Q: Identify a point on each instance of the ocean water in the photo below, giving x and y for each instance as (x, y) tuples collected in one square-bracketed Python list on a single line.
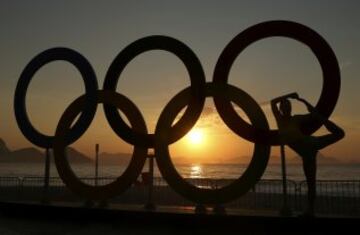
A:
[(215, 171)]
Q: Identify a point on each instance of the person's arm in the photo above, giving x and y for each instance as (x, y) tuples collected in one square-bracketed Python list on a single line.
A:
[(336, 132), (277, 100)]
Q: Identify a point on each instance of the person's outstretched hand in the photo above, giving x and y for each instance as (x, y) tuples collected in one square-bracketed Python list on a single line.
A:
[(293, 96)]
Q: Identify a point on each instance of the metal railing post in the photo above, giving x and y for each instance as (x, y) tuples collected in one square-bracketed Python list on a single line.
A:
[(45, 198), (150, 204)]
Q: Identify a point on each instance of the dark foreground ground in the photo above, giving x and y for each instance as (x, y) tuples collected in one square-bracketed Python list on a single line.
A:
[(26, 218), (337, 203)]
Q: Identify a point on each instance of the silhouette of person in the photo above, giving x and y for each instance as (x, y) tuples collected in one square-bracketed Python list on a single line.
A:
[(306, 146)]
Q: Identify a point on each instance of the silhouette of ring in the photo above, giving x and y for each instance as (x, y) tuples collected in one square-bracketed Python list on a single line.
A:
[(239, 186), (137, 161), (321, 49), (197, 79), (193, 98), (88, 111)]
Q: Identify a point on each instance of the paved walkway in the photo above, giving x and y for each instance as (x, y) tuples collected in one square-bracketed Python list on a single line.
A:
[(75, 219)]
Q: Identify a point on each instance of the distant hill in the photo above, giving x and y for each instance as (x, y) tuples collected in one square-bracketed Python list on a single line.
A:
[(33, 155), (3, 148), (77, 157), (23, 155), (114, 158)]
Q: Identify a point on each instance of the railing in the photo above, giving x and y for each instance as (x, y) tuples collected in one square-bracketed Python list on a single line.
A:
[(333, 196)]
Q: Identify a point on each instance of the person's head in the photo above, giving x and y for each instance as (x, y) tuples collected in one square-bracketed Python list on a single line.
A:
[(285, 107)]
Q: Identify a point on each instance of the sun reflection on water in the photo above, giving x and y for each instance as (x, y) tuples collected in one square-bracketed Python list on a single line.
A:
[(196, 171)]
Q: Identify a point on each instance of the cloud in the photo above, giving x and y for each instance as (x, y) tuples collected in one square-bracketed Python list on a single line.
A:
[(209, 118)]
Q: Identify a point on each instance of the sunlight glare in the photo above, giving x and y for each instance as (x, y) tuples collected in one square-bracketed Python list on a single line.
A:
[(196, 137)]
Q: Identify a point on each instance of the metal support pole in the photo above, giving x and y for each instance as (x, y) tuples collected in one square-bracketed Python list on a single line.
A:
[(102, 203), (46, 177), (285, 210), (150, 205), (96, 164)]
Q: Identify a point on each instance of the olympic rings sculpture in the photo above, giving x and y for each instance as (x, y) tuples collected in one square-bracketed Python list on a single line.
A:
[(193, 98)]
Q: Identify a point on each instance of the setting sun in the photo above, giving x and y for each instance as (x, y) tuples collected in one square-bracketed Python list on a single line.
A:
[(196, 136)]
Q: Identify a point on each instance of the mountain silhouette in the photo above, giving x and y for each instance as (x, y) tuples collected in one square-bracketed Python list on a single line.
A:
[(75, 156), (115, 158), (33, 155), (3, 148)]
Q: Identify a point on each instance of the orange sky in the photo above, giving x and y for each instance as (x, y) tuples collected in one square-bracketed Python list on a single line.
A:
[(153, 78)]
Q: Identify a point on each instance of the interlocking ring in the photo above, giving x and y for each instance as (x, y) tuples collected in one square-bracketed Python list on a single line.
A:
[(137, 161), (239, 186), (327, 59), (88, 112), (197, 79), (192, 97)]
